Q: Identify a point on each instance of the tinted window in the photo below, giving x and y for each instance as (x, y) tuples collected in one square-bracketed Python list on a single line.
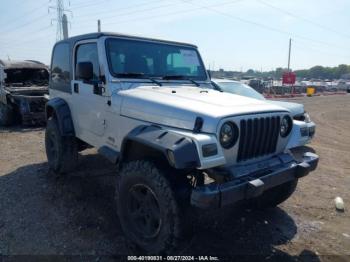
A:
[(60, 68), (88, 53), (154, 59)]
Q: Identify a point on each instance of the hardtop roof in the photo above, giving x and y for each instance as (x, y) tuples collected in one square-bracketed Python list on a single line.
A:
[(74, 39)]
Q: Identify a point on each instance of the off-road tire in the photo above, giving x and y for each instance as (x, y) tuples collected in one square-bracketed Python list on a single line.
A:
[(61, 151), (7, 115), (275, 196), (167, 230)]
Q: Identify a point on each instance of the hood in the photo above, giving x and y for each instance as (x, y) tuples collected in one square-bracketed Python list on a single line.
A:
[(28, 90), (294, 108), (179, 106)]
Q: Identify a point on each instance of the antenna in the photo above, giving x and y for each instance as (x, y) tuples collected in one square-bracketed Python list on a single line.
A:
[(99, 25), (65, 26)]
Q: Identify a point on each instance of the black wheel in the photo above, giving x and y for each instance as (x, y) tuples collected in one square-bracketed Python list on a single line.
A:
[(61, 152), (7, 116), (275, 196), (148, 211)]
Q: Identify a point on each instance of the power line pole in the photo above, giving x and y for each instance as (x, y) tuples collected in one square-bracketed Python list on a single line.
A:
[(61, 20), (290, 47), (59, 12)]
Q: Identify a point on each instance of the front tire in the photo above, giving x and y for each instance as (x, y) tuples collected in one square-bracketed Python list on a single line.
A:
[(275, 196), (147, 208), (62, 153)]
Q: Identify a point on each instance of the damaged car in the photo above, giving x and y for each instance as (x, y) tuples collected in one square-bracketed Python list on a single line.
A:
[(23, 92)]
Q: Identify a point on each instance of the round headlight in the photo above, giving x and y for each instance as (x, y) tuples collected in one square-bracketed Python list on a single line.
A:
[(286, 126), (228, 135)]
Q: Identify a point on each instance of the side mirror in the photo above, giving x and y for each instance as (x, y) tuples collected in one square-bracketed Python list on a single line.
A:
[(85, 71)]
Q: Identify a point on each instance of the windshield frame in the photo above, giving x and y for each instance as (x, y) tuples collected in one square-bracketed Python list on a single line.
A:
[(205, 79)]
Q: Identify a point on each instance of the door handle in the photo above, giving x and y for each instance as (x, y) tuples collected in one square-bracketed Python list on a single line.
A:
[(98, 89), (76, 88)]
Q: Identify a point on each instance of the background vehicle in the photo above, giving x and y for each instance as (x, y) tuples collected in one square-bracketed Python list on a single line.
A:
[(148, 106), (23, 86), (304, 127)]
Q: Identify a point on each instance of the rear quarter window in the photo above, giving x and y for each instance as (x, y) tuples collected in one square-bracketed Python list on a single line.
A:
[(60, 68)]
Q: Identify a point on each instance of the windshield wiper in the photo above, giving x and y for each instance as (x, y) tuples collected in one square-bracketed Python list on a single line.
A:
[(180, 77), (131, 75), (138, 75)]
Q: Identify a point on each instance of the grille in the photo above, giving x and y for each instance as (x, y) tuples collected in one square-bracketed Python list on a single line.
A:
[(258, 137)]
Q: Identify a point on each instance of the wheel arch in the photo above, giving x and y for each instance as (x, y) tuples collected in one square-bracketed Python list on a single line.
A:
[(58, 108), (153, 142)]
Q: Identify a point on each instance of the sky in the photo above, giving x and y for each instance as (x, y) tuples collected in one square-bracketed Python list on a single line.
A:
[(230, 34)]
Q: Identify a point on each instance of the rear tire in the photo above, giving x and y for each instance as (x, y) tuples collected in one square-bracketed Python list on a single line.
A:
[(7, 115), (275, 196), (148, 209), (61, 151)]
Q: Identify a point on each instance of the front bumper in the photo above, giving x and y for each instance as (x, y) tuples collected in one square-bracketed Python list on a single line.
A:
[(31, 108), (33, 118), (263, 176)]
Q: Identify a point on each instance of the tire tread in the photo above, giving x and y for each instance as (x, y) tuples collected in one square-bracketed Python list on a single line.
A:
[(172, 240)]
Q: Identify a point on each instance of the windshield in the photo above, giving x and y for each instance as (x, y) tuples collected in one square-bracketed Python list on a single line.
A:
[(26, 77), (129, 58), (240, 89)]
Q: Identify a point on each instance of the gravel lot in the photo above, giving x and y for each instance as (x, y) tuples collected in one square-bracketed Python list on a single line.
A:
[(41, 214)]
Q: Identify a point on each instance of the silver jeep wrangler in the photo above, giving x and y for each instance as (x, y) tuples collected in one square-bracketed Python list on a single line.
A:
[(149, 106)]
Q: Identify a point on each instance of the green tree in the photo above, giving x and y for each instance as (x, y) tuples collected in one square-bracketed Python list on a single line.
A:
[(250, 72)]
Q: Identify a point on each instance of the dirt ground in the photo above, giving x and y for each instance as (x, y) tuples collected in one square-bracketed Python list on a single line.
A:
[(41, 214)]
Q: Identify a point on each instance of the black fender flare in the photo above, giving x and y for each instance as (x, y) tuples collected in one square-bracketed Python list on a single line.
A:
[(59, 108), (180, 151)]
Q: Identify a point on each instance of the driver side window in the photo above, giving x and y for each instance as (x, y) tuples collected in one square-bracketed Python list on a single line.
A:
[(88, 53)]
